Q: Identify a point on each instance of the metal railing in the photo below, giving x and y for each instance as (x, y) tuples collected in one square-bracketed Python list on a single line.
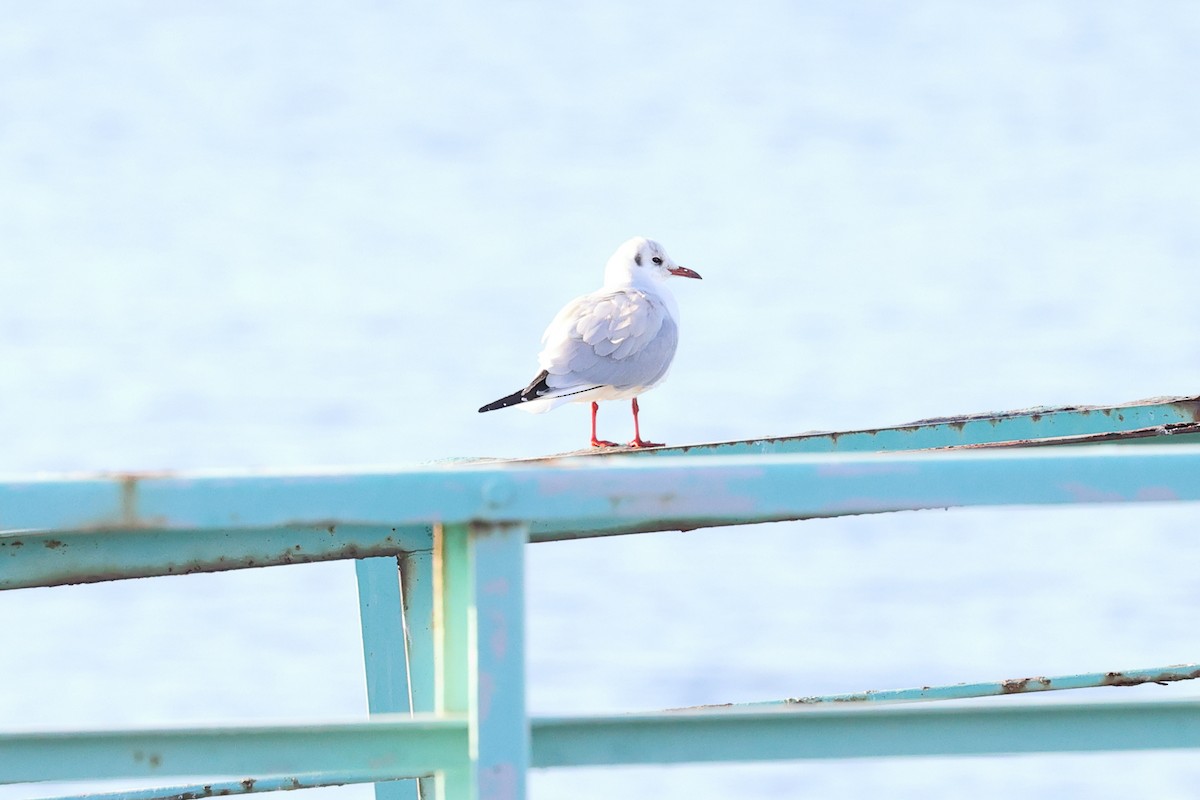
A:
[(441, 582)]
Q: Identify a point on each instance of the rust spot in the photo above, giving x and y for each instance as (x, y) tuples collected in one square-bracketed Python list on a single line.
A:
[(204, 791), (332, 530), (1171, 429), (248, 784), (1162, 678), (53, 544), (958, 426), (15, 543), (1018, 685), (155, 760)]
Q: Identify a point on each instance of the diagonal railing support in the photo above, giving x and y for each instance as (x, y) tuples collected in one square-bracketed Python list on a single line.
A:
[(384, 651)]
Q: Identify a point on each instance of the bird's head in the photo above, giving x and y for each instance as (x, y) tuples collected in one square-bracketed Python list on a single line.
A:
[(639, 260)]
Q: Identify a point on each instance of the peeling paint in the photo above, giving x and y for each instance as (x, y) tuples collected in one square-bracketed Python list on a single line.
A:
[(1162, 679), (1018, 685)]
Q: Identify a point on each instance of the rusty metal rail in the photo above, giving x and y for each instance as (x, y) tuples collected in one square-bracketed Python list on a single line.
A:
[(441, 573)]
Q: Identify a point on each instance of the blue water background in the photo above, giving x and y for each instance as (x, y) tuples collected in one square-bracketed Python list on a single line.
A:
[(278, 234)]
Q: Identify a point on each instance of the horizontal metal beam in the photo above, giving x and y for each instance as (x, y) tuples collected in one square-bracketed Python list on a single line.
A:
[(66, 530), (202, 791), (54, 558), (1165, 419), (963, 691), (379, 749), (862, 731), (744, 489)]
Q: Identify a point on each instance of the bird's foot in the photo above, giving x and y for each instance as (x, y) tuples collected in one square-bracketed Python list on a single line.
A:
[(603, 443), (637, 442)]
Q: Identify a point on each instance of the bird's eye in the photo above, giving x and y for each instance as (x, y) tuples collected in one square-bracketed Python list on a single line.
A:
[(656, 260)]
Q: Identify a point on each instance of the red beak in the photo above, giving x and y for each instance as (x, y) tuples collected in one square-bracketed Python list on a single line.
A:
[(684, 272)]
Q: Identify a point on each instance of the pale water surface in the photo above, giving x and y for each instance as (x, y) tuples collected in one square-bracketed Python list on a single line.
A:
[(293, 234)]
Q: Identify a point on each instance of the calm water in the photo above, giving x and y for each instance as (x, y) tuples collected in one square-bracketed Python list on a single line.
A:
[(279, 235)]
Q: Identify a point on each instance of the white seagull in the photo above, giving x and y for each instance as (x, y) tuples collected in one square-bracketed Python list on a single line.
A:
[(612, 344)]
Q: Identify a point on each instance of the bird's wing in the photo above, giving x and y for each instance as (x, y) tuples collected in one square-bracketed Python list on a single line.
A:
[(620, 338)]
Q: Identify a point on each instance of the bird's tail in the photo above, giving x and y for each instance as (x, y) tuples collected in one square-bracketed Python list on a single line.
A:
[(536, 388)]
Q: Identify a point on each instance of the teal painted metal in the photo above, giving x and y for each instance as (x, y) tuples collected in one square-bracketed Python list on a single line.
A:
[(443, 611), (416, 584), (480, 619), (796, 733), (198, 791), (627, 493), (452, 640), (417, 590), (386, 664), (863, 731), (61, 555), (382, 621), (1160, 416), (690, 490), (498, 563), (963, 691), (378, 749), (149, 544)]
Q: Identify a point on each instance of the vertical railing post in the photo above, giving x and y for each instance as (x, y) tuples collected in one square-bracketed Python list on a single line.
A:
[(480, 636), (381, 617), (417, 588), (500, 714)]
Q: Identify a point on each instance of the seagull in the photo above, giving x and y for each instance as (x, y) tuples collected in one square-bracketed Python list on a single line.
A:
[(612, 344)]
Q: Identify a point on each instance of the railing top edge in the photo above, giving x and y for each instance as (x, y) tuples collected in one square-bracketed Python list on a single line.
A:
[(1155, 410), (1182, 410), (410, 721), (549, 721), (983, 707), (617, 462)]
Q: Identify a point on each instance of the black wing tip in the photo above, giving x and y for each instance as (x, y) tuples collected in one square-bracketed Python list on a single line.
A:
[(503, 402), (536, 388)]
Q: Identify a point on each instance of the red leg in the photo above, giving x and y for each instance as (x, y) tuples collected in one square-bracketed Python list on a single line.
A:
[(598, 442), (637, 431)]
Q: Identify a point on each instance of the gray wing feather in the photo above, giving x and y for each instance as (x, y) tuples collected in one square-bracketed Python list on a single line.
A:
[(623, 339)]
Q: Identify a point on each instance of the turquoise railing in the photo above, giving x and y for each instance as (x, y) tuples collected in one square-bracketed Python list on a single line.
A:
[(441, 576)]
